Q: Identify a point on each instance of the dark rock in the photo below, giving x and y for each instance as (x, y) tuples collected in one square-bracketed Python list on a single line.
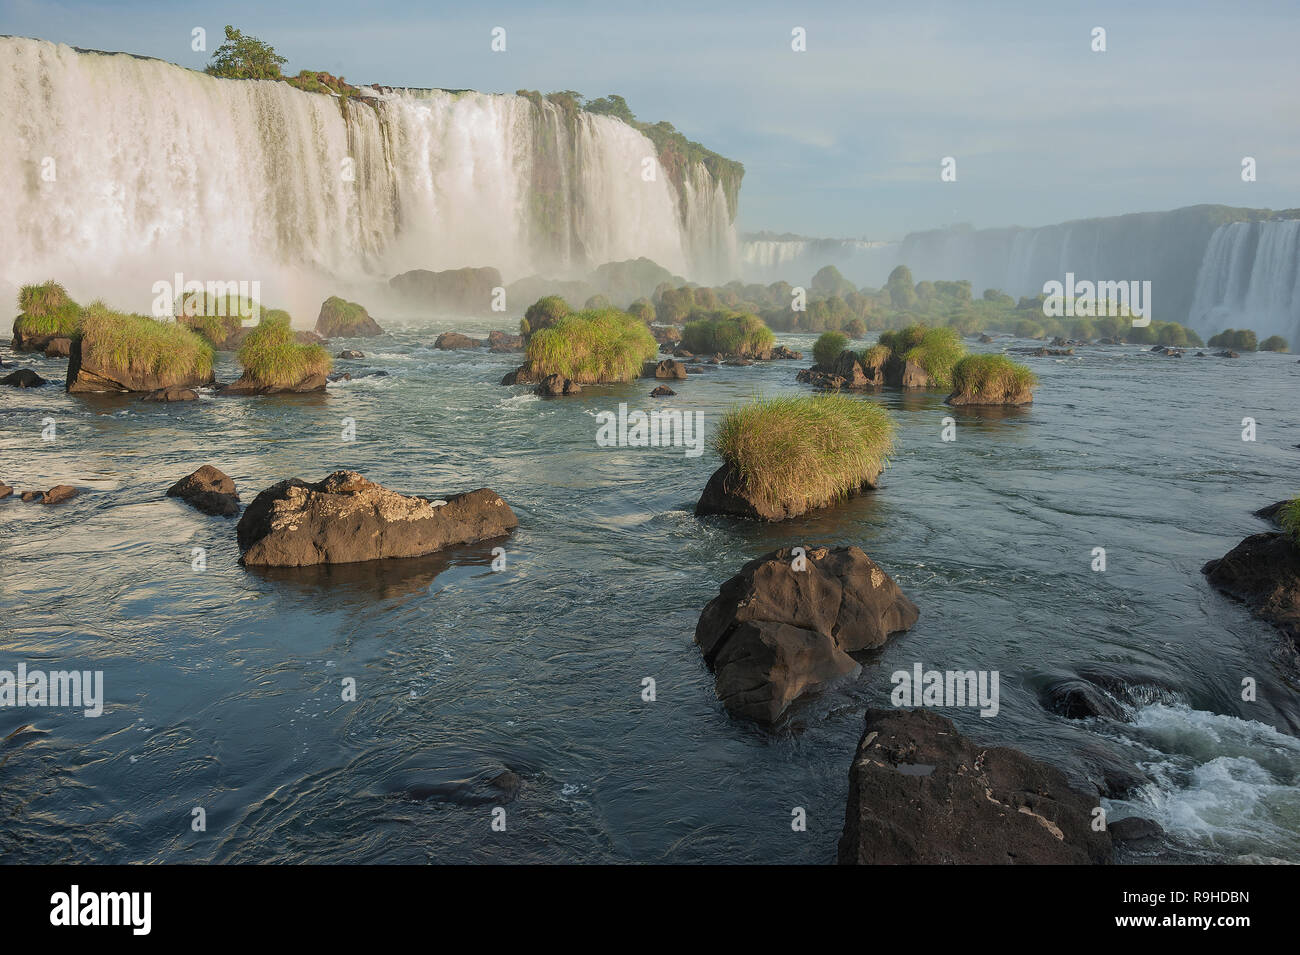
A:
[(986, 339), (781, 353), (775, 633), (520, 376), (345, 518), (683, 353), (1226, 354), (454, 341), (663, 391), (58, 348), (351, 353), (58, 494), (502, 342), (171, 393), (339, 376), (1078, 699), (1263, 572), (739, 362), (669, 369), (553, 386), (245, 386), (93, 368), (23, 378), (1135, 829), (5, 490), (304, 337), (29, 496), (208, 490), (1270, 512), (921, 793)]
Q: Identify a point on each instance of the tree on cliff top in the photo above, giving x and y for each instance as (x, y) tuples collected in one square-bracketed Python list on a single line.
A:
[(245, 58)]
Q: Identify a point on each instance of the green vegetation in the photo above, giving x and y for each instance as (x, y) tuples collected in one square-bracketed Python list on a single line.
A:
[(728, 333), (992, 379), (599, 346), (1275, 343), (828, 347), (1239, 339), (245, 58), (643, 310), (1288, 517), (271, 356), (215, 317), (46, 310), (543, 313), (143, 345), (339, 317), (937, 351), (597, 301), (805, 450)]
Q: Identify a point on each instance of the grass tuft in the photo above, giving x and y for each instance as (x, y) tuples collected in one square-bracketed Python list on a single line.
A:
[(1288, 517), (805, 451), (143, 344), (728, 333), (271, 357), (215, 317), (993, 379), (597, 346), (47, 310), (828, 347)]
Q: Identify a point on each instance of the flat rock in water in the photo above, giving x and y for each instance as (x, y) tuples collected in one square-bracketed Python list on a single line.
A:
[(921, 793), (23, 378), (784, 626), (451, 341), (345, 518), (209, 490), (553, 386), (172, 393)]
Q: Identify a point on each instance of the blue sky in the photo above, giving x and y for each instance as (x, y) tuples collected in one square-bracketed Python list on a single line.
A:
[(845, 139)]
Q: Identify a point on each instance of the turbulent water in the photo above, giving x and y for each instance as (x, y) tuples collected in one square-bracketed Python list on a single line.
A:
[(131, 169), (224, 686)]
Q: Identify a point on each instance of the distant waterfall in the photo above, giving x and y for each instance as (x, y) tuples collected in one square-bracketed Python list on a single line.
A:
[(1250, 278), (121, 170)]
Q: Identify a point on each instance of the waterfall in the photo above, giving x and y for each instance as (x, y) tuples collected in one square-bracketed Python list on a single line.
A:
[(1250, 278), (122, 170), (796, 259)]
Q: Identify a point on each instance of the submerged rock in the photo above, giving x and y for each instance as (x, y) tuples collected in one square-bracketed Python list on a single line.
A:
[(351, 353), (520, 376), (345, 518), (58, 494), (247, 385), (1077, 699), (454, 341), (1136, 829), (782, 628), (921, 793), (172, 393), (209, 490), (23, 378), (669, 369), (663, 391)]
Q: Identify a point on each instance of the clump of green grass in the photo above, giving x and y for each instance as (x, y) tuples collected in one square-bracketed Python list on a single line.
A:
[(272, 358), (592, 347), (728, 333), (543, 313), (828, 347), (143, 345), (215, 317), (875, 356), (1275, 343), (991, 379), (902, 340), (339, 313), (937, 351), (46, 310), (1288, 518), (805, 451)]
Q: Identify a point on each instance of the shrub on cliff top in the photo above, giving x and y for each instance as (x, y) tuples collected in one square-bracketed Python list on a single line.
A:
[(592, 347), (728, 333), (828, 347), (47, 310), (245, 58), (143, 344), (270, 355), (805, 450)]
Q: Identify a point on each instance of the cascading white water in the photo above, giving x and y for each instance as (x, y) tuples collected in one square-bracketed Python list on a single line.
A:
[(796, 260), (121, 171), (1250, 278)]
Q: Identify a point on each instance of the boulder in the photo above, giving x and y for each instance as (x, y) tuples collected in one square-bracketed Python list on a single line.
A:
[(453, 341), (1263, 572), (171, 393), (208, 490), (781, 353), (351, 353), (921, 793), (669, 369), (345, 518), (23, 378), (458, 291), (782, 628), (907, 374), (304, 337), (520, 376), (5, 490), (663, 391), (340, 318), (245, 386), (500, 342), (93, 368), (58, 494), (1077, 699), (59, 348), (1136, 830), (553, 386), (985, 339), (29, 496)]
